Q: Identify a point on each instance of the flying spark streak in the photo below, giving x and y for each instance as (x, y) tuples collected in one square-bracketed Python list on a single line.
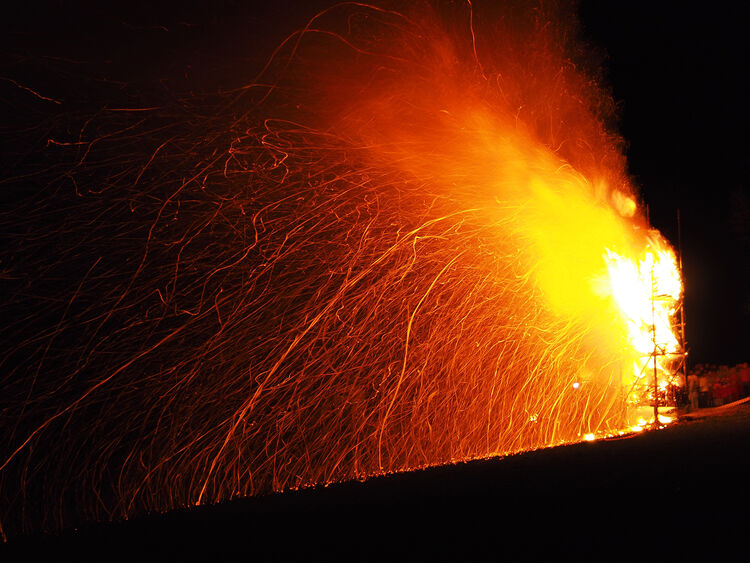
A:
[(412, 240)]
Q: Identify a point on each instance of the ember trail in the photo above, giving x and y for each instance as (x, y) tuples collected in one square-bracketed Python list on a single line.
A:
[(411, 240)]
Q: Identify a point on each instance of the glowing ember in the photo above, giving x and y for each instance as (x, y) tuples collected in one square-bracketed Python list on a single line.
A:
[(415, 242)]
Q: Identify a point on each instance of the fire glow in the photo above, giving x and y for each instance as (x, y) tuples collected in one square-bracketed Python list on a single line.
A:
[(415, 243)]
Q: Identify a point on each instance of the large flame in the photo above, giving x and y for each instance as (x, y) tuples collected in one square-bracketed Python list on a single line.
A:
[(411, 240), (647, 289)]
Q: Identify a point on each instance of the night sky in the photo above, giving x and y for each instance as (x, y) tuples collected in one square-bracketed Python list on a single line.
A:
[(677, 70)]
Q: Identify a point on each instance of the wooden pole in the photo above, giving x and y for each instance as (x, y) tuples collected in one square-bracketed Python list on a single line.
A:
[(682, 305), (653, 333)]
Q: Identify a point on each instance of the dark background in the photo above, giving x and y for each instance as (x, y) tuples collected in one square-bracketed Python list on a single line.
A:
[(677, 70)]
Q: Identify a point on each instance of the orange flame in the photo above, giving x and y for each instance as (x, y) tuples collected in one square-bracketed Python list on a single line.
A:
[(418, 245)]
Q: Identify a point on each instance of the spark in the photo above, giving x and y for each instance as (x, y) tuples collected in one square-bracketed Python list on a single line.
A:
[(382, 254)]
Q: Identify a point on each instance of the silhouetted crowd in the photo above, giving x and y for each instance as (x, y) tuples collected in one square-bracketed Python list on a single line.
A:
[(713, 386)]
